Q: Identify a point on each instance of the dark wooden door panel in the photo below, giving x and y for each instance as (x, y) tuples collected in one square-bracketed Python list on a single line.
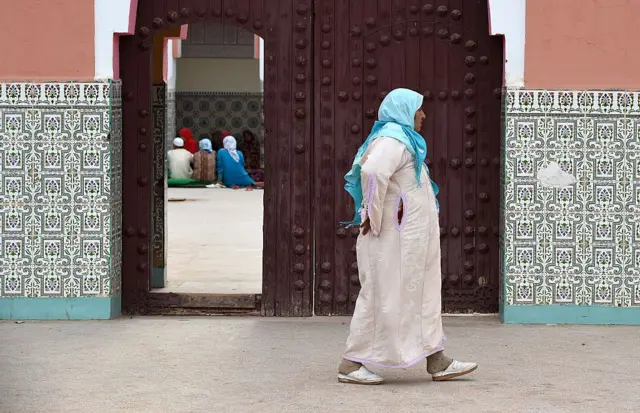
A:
[(324, 81), (442, 49)]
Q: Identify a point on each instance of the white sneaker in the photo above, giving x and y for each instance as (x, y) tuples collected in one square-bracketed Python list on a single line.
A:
[(456, 369), (361, 376)]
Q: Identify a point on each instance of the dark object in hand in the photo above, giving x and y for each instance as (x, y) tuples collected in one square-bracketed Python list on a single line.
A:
[(365, 227)]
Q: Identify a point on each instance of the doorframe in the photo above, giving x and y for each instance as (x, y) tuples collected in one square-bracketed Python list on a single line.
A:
[(288, 199)]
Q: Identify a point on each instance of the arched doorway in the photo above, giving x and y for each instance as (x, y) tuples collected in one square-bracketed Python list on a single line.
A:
[(285, 26), (326, 72)]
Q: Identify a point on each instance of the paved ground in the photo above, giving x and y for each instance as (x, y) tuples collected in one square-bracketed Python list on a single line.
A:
[(219, 364), (215, 241)]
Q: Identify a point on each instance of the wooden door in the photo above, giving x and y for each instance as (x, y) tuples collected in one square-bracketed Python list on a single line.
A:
[(366, 48)]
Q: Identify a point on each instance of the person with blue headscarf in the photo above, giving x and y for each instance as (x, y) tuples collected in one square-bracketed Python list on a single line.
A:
[(397, 321), (204, 162)]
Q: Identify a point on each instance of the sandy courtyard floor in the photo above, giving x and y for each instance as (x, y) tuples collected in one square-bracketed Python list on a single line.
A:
[(215, 241)]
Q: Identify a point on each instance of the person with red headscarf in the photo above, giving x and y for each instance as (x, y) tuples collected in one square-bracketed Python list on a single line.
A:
[(190, 144)]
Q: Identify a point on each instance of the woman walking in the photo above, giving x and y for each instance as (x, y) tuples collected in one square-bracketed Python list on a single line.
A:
[(397, 320)]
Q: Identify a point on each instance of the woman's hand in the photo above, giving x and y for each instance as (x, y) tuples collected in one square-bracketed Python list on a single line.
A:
[(365, 227)]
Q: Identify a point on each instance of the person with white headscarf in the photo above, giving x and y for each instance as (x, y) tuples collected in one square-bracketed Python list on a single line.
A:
[(230, 166), (180, 161)]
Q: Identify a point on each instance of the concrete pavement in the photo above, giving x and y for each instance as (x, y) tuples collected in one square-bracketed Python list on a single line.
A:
[(220, 364)]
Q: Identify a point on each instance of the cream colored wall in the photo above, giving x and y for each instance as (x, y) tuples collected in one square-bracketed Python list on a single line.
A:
[(218, 75)]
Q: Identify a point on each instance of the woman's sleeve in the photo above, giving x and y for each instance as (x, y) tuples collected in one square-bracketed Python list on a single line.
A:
[(379, 164)]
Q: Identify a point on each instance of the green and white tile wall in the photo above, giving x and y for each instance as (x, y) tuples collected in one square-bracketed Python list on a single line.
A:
[(60, 200), (163, 105), (160, 107), (572, 255), (170, 119), (207, 112)]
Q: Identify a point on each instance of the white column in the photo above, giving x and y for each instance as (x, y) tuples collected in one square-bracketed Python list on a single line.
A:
[(262, 62), (508, 17), (111, 17), (171, 66)]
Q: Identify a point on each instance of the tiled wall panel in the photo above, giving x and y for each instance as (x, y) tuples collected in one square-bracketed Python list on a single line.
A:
[(170, 120), (207, 112), (60, 189), (158, 236), (578, 245)]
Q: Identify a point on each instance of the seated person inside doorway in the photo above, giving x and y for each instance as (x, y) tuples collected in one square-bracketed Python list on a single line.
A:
[(230, 166), (190, 144), (216, 140), (250, 147), (204, 162), (180, 163)]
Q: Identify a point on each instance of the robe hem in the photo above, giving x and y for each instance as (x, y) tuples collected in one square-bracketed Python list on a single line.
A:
[(396, 366)]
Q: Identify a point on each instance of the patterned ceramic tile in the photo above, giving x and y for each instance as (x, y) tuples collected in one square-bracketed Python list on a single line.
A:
[(59, 182), (170, 119), (207, 112), (77, 95), (578, 245), (116, 186), (159, 238)]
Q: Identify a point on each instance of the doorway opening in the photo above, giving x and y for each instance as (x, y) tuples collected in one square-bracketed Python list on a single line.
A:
[(278, 281), (214, 211)]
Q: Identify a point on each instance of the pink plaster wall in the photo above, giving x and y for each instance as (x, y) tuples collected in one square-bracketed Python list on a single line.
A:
[(582, 44), (47, 40)]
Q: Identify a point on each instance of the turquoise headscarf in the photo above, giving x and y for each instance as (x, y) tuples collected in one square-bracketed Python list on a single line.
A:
[(395, 120)]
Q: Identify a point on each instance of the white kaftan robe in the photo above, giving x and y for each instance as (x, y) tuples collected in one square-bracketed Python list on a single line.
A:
[(397, 320)]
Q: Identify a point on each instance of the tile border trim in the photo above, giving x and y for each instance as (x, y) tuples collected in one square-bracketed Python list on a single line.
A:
[(77, 308), (570, 314), (33, 95)]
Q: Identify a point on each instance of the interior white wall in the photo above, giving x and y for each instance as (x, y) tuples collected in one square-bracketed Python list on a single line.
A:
[(508, 17), (262, 63), (218, 75)]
